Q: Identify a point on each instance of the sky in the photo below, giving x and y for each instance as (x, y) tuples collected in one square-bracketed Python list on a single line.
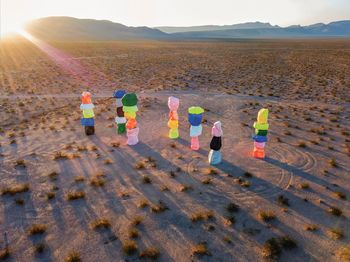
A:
[(14, 13)]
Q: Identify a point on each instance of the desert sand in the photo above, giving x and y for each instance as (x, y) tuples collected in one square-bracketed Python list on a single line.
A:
[(159, 199)]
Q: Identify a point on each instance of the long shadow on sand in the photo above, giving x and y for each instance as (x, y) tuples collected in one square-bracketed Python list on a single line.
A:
[(297, 171), (143, 149)]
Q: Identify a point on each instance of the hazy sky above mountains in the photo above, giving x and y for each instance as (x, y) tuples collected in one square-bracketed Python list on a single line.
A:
[(177, 12)]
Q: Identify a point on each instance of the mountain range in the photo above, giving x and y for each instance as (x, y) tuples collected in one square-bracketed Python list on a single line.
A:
[(73, 29)]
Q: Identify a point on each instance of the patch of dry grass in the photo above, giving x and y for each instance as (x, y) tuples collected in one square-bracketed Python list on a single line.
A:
[(266, 216), (343, 254), (146, 180), (133, 232), (5, 254), (15, 189), (200, 249), (100, 223), (335, 211), (137, 220), (202, 215), (97, 181), (129, 247), (59, 155), (158, 208), (310, 227), (340, 195), (73, 257), (150, 253), (50, 195), (142, 203), (139, 165), (36, 229), (336, 233), (74, 195)]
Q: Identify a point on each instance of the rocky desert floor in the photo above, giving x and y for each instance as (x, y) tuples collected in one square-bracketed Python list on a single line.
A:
[(69, 197)]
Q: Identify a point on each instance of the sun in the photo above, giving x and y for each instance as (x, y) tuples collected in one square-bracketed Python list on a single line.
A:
[(8, 27)]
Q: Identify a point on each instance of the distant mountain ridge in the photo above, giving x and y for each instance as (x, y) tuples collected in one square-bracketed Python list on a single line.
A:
[(73, 29), (334, 29), (249, 25)]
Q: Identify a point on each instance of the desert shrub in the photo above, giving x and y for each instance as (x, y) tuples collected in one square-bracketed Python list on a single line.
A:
[(150, 253), (19, 201), (137, 220), (100, 223), (97, 181), (50, 195), (310, 227), (20, 163), (333, 162), (73, 257), (232, 207), (202, 215), (200, 249), (139, 165), (302, 144), (59, 155), (37, 229), (271, 249), (142, 203), (133, 233), (53, 175), (304, 185), (39, 248), (160, 207), (4, 254), (79, 179), (146, 180), (335, 211), (184, 188), (340, 195), (16, 189), (266, 216), (287, 242), (336, 233), (282, 200), (343, 254), (129, 247), (206, 181), (74, 195)]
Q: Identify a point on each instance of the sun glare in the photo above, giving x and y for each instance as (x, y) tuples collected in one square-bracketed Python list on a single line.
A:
[(10, 27)]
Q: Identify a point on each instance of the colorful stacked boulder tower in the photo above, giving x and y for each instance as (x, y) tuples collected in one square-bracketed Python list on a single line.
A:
[(120, 119), (173, 123), (261, 129), (214, 156), (195, 115), (88, 113), (130, 108)]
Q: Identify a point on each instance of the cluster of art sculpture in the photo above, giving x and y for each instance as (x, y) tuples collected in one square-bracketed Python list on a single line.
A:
[(214, 156), (120, 119), (130, 109), (195, 116), (261, 129), (88, 113), (173, 123), (126, 122)]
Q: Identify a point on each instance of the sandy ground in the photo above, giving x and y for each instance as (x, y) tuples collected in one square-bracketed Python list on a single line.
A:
[(304, 138)]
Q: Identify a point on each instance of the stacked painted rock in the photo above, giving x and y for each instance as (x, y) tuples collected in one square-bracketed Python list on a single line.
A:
[(88, 113), (130, 108), (195, 115), (214, 156), (261, 129), (173, 123), (120, 119)]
